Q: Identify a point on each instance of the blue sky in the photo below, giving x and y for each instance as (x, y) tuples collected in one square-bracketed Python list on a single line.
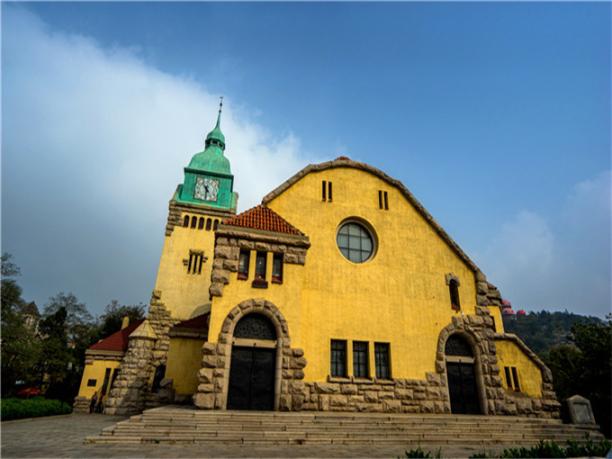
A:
[(495, 115)]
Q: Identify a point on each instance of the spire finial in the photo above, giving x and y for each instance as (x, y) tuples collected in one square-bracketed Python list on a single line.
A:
[(220, 109)]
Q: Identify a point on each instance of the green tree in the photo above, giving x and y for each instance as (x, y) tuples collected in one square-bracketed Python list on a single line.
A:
[(113, 316), (69, 330), (584, 367), (20, 345)]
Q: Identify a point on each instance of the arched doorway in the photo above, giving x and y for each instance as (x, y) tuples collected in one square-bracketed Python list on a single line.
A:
[(253, 364), (461, 374)]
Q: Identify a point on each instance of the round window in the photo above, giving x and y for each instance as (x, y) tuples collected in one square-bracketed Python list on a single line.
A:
[(355, 242)]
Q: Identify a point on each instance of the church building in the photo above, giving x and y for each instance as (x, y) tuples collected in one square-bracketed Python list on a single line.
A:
[(339, 292)]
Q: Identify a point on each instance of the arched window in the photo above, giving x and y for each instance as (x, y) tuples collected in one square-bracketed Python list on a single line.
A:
[(201, 223), (194, 221), (208, 224), (453, 288), (186, 221), (457, 345), (216, 224), (255, 326)]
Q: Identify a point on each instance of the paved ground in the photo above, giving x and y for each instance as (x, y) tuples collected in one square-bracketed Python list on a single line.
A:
[(62, 436)]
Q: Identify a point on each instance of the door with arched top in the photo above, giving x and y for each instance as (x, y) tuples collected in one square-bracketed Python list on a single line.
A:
[(253, 364), (461, 375)]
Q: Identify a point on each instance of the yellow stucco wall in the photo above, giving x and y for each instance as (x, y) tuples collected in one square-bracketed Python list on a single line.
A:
[(96, 370), (497, 318), (530, 375), (400, 296), (185, 295), (184, 361)]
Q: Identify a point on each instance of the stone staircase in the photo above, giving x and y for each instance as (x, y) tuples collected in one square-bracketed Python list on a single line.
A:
[(173, 424)]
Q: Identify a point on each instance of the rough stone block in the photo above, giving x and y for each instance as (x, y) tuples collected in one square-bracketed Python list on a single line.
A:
[(348, 388), (204, 401), (392, 406), (326, 388)]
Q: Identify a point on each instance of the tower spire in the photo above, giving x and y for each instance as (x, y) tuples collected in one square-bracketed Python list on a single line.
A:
[(219, 115)]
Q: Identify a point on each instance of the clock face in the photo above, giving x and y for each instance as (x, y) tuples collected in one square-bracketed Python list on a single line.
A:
[(206, 189)]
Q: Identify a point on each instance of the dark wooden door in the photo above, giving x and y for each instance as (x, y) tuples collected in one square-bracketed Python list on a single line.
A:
[(462, 388), (251, 383)]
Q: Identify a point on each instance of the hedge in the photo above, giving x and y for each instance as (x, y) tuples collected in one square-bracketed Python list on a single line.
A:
[(19, 408)]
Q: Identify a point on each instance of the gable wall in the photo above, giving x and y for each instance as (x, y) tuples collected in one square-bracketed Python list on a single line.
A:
[(400, 296)]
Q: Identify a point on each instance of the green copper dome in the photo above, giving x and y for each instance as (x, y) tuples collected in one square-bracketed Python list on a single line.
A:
[(212, 158), (208, 177)]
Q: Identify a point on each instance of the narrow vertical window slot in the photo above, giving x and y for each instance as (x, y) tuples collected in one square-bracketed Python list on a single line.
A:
[(201, 223), (323, 190), (329, 191), (190, 263), (215, 224), (380, 199), (208, 224), (386, 201), (360, 359), (186, 221), (243, 264), (194, 221), (277, 268), (515, 378), (508, 377)]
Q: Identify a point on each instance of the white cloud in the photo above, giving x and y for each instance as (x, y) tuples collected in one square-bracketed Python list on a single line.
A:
[(560, 263), (94, 145)]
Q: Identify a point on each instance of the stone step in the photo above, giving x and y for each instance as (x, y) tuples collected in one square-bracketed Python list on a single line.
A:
[(183, 425)]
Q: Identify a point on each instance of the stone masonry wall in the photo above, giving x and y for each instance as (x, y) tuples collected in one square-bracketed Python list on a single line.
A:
[(229, 241), (214, 374), (131, 392)]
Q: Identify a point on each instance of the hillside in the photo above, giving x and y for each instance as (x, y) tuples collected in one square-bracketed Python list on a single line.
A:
[(542, 330)]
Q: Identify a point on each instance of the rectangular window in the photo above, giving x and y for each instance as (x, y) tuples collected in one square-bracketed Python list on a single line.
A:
[(508, 377), (324, 190), (386, 201), (243, 264), (381, 357), (107, 374), (453, 287), (517, 387), (380, 199), (260, 266), (277, 268), (338, 358), (329, 191), (196, 260), (360, 359), (91, 382)]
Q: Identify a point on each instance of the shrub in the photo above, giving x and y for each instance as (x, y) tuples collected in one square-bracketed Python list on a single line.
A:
[(547, 449), (15, 408)]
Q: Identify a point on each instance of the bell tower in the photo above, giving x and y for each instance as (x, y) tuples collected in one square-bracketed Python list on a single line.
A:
[(200, 203)]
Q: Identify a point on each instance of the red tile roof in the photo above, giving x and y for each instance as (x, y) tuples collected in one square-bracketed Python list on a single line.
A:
[(118, 341), (263, 218), (199, 322)]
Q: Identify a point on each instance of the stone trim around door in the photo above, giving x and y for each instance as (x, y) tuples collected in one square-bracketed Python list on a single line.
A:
[(216, 360)]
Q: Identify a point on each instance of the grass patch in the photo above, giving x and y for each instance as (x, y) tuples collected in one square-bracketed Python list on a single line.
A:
[(19, 408)]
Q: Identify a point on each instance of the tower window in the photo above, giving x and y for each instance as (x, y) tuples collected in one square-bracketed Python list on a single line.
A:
[(208, 224), (91, 382), (381, 358), (201, 223), (196, 260), (360, 359), (277, 268), (338, 358), (243, 264), (194, 221), (186, 221), (215, 224), (453, 287)]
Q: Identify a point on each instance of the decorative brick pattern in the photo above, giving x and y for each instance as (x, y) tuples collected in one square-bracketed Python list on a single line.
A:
[(216, 357)]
